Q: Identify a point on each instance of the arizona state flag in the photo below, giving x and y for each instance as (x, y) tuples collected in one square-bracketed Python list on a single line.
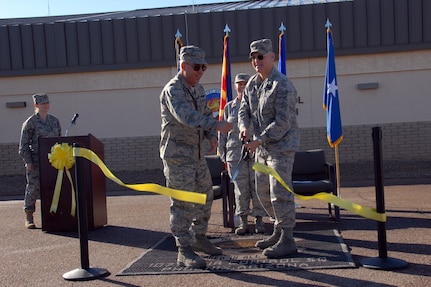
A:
[(330, 95), (226, 82)]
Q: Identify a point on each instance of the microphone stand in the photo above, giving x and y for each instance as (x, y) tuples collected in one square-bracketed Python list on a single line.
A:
[(71, 124)]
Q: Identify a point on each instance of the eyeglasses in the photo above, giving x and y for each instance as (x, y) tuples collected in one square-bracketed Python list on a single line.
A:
[(259, 57), (197, 67)]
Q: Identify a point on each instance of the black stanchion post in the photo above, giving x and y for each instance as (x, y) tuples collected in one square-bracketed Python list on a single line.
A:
[(380, 198), (383, 261), (85, 272)]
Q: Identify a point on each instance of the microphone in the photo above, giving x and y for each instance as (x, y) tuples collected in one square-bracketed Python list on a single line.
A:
[(75, 116)]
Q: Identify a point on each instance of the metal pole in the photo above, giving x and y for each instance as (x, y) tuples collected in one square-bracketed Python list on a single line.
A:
[(85, 272), (382, 262), (380, 195), (82, 214)]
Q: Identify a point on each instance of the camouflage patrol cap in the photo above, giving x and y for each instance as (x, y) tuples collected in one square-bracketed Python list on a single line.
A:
[(40, 99), (241, 77), (262, 46), (192, 54)]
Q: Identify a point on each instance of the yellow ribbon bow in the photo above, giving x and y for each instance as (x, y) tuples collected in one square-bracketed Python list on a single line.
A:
[(62, 159)]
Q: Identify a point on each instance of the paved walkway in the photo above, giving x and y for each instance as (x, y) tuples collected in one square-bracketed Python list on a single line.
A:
[(136, 221)]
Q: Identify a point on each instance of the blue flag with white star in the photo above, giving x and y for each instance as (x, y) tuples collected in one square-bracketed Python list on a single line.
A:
[(330, 97)]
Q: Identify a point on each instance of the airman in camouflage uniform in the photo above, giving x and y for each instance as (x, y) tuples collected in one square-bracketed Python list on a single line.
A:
[(186, 122), (269, 103), (40, 124), (230, 152)]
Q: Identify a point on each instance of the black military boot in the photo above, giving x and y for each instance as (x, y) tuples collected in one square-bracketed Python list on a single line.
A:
[(258, 226)]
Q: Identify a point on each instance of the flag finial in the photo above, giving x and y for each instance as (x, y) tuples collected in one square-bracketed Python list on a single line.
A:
[(282, 28), (178, 34), (328, 24), (226, 29)]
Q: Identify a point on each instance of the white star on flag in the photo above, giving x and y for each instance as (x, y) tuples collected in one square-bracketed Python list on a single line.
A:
[(332, 88)]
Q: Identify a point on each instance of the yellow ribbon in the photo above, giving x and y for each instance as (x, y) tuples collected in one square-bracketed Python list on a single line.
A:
[(182, 195), (62, 159), (366, 212)]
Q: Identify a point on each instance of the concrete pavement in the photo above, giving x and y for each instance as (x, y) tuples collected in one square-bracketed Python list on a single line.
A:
[(136, 221)]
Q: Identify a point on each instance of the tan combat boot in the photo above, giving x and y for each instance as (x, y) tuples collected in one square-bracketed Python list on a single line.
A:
[(259, 227), (242, 227), (284, 246), (187, 258), (29, 223), (204, 245), (271, 240)]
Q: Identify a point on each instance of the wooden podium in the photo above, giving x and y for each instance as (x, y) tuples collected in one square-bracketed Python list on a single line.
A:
[(93, 185)]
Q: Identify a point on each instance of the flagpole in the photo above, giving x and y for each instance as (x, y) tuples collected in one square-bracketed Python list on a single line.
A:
[(331, 104), (337, 171), (337, 156)]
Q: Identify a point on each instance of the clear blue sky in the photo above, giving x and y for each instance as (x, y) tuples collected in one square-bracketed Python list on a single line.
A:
[(40, 8)]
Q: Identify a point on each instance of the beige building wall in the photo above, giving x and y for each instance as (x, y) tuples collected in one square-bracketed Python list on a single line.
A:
[(121, 108)]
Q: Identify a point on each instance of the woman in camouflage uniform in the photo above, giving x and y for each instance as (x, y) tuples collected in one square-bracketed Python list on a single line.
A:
[(40, 124)]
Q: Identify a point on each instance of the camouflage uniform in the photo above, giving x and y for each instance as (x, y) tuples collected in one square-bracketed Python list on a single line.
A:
[(186, 122), (33, 128), (271, 107), (230, 152)]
